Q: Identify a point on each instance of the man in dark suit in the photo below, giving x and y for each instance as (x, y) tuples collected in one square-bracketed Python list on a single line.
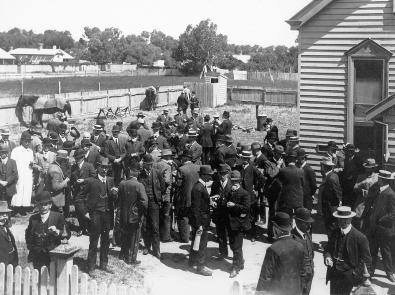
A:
[(291, 179), (187, 176), (282, 269), (133, 204), (205, 137), (194, 147), (238, 207), (154, 185), (219, 152), (156, 139), (44, 232), (347, 255), (8, 249), (182, 102), (352, 168), (226, 126), (230, 157), (200, 221), (252, 181), (309, 180), (330, 193), (269, 145), (79, 171), (115, 153), (134, 150), (8, 175), (378, 221), (219, 194), (92, 154), (301, 233), (99, 193)]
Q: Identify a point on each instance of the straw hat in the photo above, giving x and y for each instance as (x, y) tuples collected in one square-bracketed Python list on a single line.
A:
[(344, 212)]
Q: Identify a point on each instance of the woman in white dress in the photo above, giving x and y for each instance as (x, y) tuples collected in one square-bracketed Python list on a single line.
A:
[(23, 157)]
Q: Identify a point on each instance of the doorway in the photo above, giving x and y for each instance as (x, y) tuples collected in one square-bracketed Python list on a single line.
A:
[(369, 139)]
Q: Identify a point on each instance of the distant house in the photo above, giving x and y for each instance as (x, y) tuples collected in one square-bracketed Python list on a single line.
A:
[(6, 58), (160, 63), (347, 76), (40, 55), (244, 58)]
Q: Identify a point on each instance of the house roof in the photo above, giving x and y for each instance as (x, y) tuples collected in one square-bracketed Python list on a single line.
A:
[(36, 51), (215, 74), (380, 108), (5, 55), (309, 11)]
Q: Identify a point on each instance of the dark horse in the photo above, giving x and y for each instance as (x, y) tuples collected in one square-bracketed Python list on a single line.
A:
[(40, 107), (151, 99)]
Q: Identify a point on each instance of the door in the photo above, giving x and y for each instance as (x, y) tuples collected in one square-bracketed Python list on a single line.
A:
[(369, 138)]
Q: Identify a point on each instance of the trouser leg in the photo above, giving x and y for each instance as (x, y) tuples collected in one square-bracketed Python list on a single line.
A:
[(135, 239), (384, 241), (165, 221), (154, 227), (95, 230), (126, 241), (221, 227), (254, 212), (198, 258), (183, 228), (105, 239), (236, 244)]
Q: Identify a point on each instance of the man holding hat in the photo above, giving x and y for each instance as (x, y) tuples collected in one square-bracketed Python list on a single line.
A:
[(301, 233), (195, 148), (57, 181), (282, 269), (100, 194), (115, 153), (238, 207), (330, 193), (309, 180), (8, 249), (378, 221), (5, 139), (347, 254), (44, 231), (8, 175), (23, 156), (200, 219)]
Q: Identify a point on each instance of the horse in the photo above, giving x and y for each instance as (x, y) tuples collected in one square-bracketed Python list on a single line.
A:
[(151, 99), (41, 105)]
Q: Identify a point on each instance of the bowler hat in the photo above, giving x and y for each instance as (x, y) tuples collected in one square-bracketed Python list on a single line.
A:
[(100, 122), (116, 128), (216, 115), (223, 168), (332, 144), (74, 132), (386, 175), (98, 127), (4, 148), (62, 127), (78, 154), (68, 145), (155, 125), (104, 162), (226, 114), (62, 154), (192, 133), (85, 142), (140, 115), (4, 207), (206, 170), (166, 152), (370, 163), (228, 138), (53, 136), (5, 132), (26, 136), (269, 120), (304, 215), (246, 154), (148, 159), (43, 197), (282, 221), (255, 146), (344, 212), (301, 153), (165, 111), (291, 132), (133, 133), (271, 135), (47, 141), (235, 175), (279, 149)]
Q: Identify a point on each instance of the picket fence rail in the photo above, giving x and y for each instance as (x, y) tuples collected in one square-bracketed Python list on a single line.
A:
[(25, 281)]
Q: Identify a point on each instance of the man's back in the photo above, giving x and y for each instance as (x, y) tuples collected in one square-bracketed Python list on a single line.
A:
[(189, 174), (132, 200), (291, 179)]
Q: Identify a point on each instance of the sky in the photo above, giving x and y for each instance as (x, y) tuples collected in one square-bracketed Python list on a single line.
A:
[(260, 22)]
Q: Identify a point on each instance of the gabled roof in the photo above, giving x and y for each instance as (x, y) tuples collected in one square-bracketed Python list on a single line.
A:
[(5, 55), (309, 11), (36, 51), (380, 108), (215, 74), (368, 48)]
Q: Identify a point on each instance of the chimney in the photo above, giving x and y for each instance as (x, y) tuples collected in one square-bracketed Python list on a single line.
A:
[(40, 46), (54, 47)]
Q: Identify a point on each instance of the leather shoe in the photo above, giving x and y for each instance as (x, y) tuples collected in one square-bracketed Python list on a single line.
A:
[(135, 262), (204, 272), (145, 251), (390, 277), (168, 241), (157, 255), (233, 273)]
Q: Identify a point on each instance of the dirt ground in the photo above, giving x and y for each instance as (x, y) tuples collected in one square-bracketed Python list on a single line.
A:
[(171, 274)]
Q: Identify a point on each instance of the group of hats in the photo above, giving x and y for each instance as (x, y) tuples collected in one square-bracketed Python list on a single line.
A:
[(225, 138)]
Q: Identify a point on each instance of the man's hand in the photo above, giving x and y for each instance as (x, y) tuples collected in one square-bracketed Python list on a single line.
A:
[(230, 204), (54, 230), (329, 261), (67, 179)]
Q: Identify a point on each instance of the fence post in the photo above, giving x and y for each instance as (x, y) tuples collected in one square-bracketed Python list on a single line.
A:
[(10, 279), (168, 96), (81, 103), (2, 278), (130, 99), (107, 97)]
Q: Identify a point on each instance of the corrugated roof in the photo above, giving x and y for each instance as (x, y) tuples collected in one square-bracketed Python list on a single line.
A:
[(5, 55), (309, 11), (44, 51)]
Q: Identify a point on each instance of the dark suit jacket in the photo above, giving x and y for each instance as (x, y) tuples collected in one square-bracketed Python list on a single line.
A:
[(182, 101), (200, 207), (112, 150), (252, 179), (309, 251), (87, 170), (9, 173), (330, 190), (206, 135), (221, 211), (187, 176), (239, 214), (93, 156), (357, 246), (230, 156), (309, 186), (133, 201), (100, 140), (39, 240), (282, 268), (7, 241), (291, 194), (158, 184), (225, 127)]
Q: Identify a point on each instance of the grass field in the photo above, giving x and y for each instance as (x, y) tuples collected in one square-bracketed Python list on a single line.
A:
[(12, 88)]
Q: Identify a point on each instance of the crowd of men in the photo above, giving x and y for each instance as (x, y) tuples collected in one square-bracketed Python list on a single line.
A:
[(176, 178)]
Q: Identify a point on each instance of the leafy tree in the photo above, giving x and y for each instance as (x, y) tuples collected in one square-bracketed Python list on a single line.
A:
[(199, 45), (62, 40)]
